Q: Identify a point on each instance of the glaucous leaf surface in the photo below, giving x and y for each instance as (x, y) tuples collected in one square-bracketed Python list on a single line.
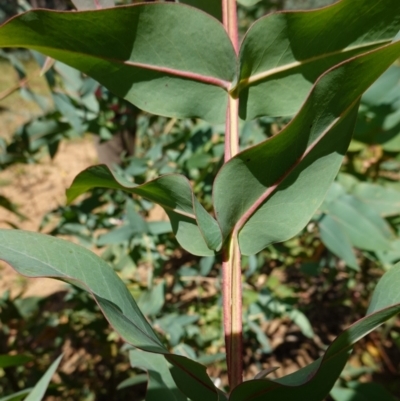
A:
[(282, 181), (384, 200), (160, 384), (284, 53), (38, 255), (365, 228), (313, 382), (337, 241), (194, 228), (167, 59), (40, 388), (18, 396)]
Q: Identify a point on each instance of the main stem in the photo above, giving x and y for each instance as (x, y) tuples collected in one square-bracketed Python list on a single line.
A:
[(231, 267)]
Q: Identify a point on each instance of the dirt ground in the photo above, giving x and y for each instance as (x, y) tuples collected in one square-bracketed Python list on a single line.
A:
[(38, 189)]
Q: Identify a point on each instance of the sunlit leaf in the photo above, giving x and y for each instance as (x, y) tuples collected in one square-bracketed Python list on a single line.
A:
[(168, 59), (284, 53)]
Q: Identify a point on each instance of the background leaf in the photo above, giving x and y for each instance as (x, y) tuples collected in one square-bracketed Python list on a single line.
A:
[(39, 390)]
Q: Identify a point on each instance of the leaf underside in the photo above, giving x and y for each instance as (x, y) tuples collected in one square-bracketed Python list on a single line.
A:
[(313, 382), (38, 255), (176, 51)]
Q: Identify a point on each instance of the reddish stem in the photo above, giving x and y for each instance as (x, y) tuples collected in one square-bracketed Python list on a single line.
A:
[(231, 269)]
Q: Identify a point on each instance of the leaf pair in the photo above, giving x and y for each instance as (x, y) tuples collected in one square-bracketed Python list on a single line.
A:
[(37, 255), (186, 57), (194, 228)]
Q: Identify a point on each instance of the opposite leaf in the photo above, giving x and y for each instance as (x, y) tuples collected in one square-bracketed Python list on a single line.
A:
[(195, 229), (283, 54), (282, 181), (314, 382), (168, 59), (38, 255)]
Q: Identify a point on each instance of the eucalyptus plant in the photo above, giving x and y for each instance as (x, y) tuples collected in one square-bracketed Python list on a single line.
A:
[(179, 60)]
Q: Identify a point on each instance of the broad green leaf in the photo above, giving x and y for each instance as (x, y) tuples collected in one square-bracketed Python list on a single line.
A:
[(152, 300), (384, 200), (13, 360), (194, 228), (313, 382), (337, 241), (160, 385), (38, 255), (192, 379), (365, 228), (132, 381), (283, 180), (385, 91), (38, 391), (168, 59), (283, 54)]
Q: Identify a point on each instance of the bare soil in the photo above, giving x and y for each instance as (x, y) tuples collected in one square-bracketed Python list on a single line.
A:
[(38, 189)]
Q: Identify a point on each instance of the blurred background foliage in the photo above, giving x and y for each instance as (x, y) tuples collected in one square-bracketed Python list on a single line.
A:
[(298, 295)]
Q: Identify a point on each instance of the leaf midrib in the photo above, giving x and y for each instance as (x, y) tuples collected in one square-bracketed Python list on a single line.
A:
[(206, 79), (245, 82), (271, 189), (67, 277)]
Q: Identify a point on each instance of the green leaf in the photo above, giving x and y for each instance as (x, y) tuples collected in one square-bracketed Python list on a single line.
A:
[(313, 382), (365, 228), (168, 59), (38, 391), (211, 7), (13, 360), (194, 228), (384, 200), (282, 181), (16, 396), (337, 241), (283, 54), (192, 379), (161, 385), (361, 392), (38, 255), (152, 300)]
